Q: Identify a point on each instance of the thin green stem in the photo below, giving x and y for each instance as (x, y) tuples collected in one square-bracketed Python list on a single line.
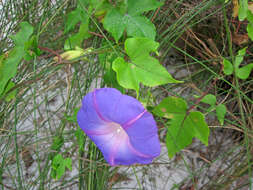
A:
[(238, 91)]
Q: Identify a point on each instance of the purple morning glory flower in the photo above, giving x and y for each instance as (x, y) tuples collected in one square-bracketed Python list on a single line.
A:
[(120, 126)]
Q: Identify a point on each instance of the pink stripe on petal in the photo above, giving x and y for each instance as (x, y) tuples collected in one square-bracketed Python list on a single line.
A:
[(97, 108), (129, 123), (136, 152)]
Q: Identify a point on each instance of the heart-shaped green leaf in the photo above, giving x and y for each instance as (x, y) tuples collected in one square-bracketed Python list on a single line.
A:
[(183, 126), (142, 67)]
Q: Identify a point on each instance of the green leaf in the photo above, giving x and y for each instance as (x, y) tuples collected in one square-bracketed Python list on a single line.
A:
[(183, 126), (250, 30), (209, 99), (80, 139), (57, 160), (250, 16), (12, 94), (9, 66), (23, 35), (140, 26), (73, 117), (60, 171), (57, 143), (243, 9), (110, 79), (68, 163), (167, 107), (221, 112), (58, 166), (143, 68), (76, 39), (114, 22), (228, 67), (239, 57), (138, 7), (72, 19), (244, 72), (136, 25), (126, 74)]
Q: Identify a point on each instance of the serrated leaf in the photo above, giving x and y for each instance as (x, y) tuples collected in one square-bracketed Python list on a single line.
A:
[(23, 35), (228, 67), (183, 126), (244, 72), (143, 68), (243, 9), (209, 99), (138, 7), (140, 26), (221, 112), (114, 22)]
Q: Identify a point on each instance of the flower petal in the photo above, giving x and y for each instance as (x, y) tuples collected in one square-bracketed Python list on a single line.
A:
[(143, 135), (117, 107), (120, 127)]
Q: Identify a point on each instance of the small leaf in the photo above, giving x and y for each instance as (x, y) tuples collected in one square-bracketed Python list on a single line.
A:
[(72, 19), (9, 66), (58, 160), (250, 30), (243, 9), (239, 57), (76, 39), (72, 118), (250, 15), (60, 170), (228, 67), (23, 35), (115, 24), (68, 163), (244, 72), (209, 99), (221, 112), (57, 143), (80, 139)]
